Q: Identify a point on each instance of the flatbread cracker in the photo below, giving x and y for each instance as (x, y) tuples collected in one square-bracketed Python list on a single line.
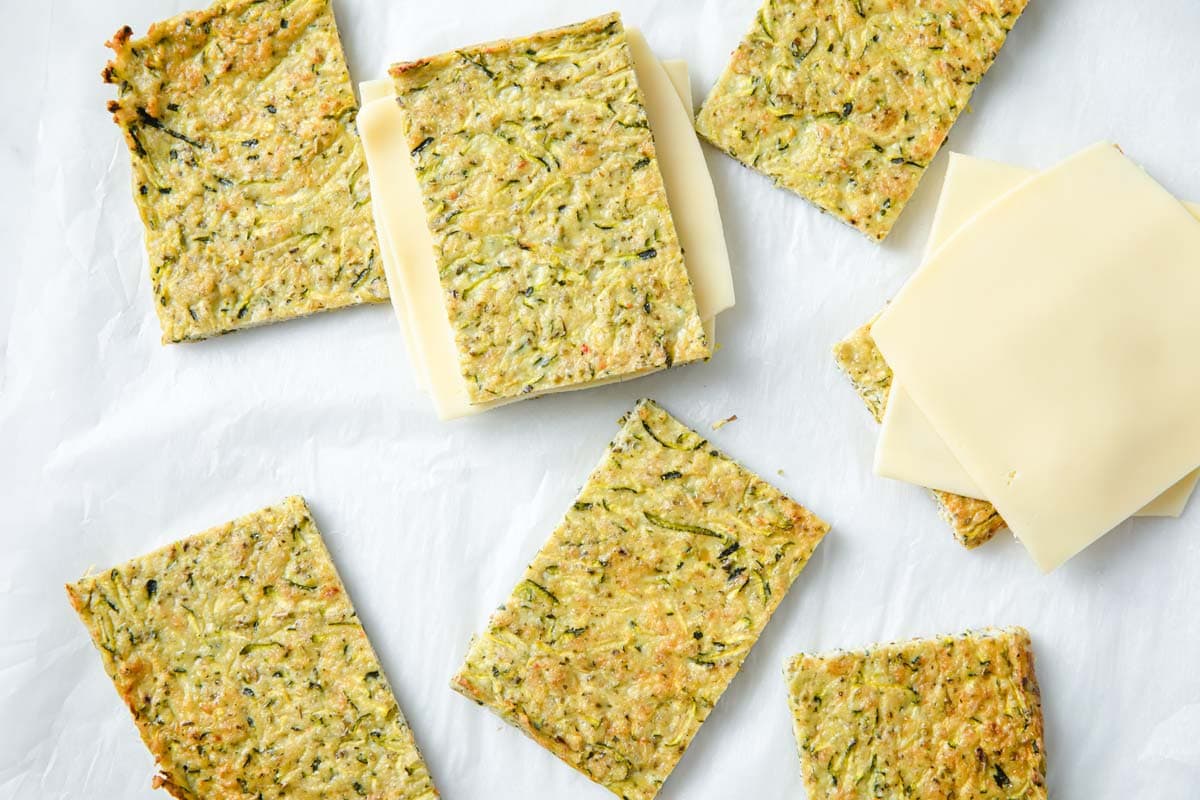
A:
[(846, 102), (247, 170), (937, 719), (559, 260), (639, 610), (246, 669), (973, 521)]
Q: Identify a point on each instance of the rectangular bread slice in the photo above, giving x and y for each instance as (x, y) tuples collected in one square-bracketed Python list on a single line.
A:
[(973, 521), (846, 102), (247, 170), (639, 610), (246, 669), (947, 718), (559, 261)]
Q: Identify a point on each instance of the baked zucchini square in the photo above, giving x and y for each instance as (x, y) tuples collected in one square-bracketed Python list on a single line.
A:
[(246, 669), (974, 522), (639, 610), (247, 169), (846, 102), (557, 254), (935, 719)]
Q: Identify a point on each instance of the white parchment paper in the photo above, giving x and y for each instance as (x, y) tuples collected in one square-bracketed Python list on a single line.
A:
[(111, 444)]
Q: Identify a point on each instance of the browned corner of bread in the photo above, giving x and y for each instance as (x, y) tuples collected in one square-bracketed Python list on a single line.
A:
[(163, 782), (396, 70), (109, 74), (116, 44), (1029, 682), (74, 598), (119, 39)]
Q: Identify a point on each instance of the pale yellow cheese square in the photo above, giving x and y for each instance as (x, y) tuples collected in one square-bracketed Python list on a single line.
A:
[(909, 448), (1083, 327), (394, 191), (408, 245)]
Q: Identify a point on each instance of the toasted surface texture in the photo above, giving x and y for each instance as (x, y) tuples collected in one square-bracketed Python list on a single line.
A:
[(847, 101), (246, 669), (247, 170), (558, 257), (860, 359), (973, 521), (950, 718), (641, 607)]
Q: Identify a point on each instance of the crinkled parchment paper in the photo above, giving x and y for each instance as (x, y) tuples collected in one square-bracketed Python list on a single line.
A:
[(111, 444)]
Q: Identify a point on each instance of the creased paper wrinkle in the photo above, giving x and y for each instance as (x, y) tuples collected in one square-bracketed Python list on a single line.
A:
[(112, 444)]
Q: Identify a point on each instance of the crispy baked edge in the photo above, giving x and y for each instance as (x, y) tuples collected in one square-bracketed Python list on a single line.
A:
[(398, 69)]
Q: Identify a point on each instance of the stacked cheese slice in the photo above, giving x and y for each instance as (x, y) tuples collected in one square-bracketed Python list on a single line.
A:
[(1044, 354), (407, 244)]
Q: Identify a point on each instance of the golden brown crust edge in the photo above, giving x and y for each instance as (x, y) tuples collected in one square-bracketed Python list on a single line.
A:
[(974, 522), (1023, 656), (160, 780), (395, 70)]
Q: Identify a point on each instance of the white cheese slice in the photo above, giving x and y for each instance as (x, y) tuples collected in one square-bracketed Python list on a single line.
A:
[(713, 272), (407, 245), (389, 194), (1083, 327), (681, 82), (370, 91), (909, 448)]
